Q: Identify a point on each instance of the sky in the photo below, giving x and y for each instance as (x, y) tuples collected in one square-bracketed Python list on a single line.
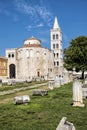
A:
[(22, 19)]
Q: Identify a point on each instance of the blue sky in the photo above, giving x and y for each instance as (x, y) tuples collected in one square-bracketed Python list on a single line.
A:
[(22, 19)]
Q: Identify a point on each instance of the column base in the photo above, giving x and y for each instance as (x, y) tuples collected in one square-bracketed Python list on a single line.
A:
[(78, 104)]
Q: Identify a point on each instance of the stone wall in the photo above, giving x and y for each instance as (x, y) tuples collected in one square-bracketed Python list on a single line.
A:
[(31, 62)]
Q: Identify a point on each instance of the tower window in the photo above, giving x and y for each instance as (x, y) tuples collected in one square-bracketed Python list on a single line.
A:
[(12, 55), (57, 63), (53, 46), (56, 36), (57, 46), (9, 55), (57, 55), (54, 63), (53, 37), (54, 54)]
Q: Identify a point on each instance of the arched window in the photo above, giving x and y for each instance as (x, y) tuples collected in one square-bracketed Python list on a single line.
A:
[(57, 63), (54, 54), (57, 45), (54, 63), (53, 36), (56, 36), (57, 54), (9, 55), (53, 46), (12, 55)]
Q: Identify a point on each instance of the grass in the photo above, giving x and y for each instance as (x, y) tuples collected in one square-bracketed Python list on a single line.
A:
[(6, 87), (43, 112)]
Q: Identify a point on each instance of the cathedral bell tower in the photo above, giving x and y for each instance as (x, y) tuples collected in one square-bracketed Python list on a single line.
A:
[(56, 45)]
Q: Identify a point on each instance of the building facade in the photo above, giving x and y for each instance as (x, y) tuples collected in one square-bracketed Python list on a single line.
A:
[(32, 60), (3, 67)]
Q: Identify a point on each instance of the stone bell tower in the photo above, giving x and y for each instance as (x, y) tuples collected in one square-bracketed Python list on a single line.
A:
[(56, 46)]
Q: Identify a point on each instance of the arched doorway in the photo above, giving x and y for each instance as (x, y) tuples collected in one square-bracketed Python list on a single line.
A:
[(38, 73), (12, 71)]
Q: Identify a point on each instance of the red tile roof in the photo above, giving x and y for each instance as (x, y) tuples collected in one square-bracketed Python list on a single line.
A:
[(31, 45)]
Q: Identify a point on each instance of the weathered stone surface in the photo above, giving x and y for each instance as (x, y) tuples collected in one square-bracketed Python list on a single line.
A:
[(40, 92), (59, 81), (65, 125), (51, 84), (85, 81), (31, 62), (11, 82), (77, 93), (21, 99), (84, 91)]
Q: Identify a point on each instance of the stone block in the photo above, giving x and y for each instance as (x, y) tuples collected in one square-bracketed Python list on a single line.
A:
[(40, 92), (25, 99), (65, 125), (11, 82)]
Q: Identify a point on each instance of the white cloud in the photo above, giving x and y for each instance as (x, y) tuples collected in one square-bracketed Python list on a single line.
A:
[(65, 37), (65, 40), (34, 11), (29, 27), (24, 7), (44, 40), (40, 25)]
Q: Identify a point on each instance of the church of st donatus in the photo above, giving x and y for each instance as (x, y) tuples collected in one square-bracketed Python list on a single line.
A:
[(32, 60)]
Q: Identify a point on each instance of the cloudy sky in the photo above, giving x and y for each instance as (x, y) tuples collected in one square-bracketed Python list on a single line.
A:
[(22, 19)]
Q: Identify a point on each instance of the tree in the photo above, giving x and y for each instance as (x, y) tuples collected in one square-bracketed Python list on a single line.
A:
[(75, 56)]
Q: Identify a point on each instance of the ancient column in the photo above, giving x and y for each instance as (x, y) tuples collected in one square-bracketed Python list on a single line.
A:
[(77, 93)]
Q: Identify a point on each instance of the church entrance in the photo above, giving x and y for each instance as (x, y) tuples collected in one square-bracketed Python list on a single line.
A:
[(12, 71), (38, 73)]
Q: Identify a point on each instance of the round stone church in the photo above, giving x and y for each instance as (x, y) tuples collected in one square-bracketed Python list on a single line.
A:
[(32, 61)]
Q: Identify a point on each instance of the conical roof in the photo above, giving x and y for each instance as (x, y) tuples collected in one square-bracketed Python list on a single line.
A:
[(56, 25)]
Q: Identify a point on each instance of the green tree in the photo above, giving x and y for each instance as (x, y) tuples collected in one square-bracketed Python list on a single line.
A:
[(75, 56)]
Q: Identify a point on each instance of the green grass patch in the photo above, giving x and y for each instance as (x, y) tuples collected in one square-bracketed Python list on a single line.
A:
[(43, 112), (6, 87)]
